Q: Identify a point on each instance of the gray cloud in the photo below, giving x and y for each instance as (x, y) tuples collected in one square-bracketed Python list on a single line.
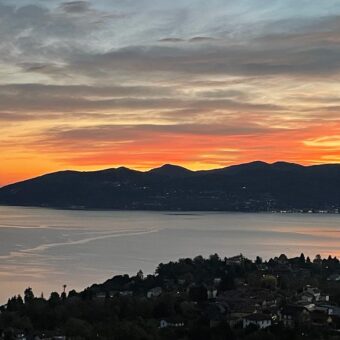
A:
[(85, 90), (251, 60), (193, 40), (201, 39), (171, 40), (44, 98), (16, 117), (75, 7), (314, 56), (304, 46)]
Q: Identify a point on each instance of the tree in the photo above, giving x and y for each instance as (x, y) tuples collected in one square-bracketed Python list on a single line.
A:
[(72, 293), (54, 299), (165, 308), (317, 259), (28, 295), (214, 258), (20, 300), (227, 283), (15, 303), (78, 328), (198, 260), (269, 281), (302, 258), (140, 274), (283, 258), (198, 293)]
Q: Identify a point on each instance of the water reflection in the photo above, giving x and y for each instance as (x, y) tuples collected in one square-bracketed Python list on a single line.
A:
[(45, 248)]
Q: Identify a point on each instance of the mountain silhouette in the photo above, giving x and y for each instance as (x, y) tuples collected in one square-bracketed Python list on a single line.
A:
[(255, 186)]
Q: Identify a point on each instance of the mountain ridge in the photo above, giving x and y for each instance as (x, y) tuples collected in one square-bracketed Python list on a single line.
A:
[(254, 186)]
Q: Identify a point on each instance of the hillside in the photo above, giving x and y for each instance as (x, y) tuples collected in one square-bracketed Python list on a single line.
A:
[(255, 186)]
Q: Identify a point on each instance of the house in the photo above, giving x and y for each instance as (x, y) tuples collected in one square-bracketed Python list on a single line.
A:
[(311, 294), (235, 260), (257, 319), (154, 292), (171, 323)]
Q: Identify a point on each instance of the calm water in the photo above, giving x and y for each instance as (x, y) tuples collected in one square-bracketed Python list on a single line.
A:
[(45, 248)]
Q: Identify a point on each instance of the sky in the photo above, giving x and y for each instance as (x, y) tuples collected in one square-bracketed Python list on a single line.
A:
[(139, 83)]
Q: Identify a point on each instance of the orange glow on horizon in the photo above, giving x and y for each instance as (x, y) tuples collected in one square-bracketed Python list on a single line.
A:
[(195, 152)]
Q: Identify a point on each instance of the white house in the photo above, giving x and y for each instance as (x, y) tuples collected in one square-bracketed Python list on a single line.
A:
[(171, 323), (257, 319)]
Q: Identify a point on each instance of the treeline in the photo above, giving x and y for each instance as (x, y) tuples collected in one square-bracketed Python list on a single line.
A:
[(120, 309)]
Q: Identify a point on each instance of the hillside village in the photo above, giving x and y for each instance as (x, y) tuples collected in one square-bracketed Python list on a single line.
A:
[(213, 298)]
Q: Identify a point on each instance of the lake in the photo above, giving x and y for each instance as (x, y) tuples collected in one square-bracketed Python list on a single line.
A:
[(45, 248)]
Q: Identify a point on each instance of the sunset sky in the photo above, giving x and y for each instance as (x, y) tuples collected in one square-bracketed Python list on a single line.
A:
[(204, 84)]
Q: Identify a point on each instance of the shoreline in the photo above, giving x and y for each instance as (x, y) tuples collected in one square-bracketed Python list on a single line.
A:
[(182, 212)]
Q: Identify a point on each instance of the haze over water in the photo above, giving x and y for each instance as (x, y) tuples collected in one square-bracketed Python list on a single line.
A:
[(45, 249)]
